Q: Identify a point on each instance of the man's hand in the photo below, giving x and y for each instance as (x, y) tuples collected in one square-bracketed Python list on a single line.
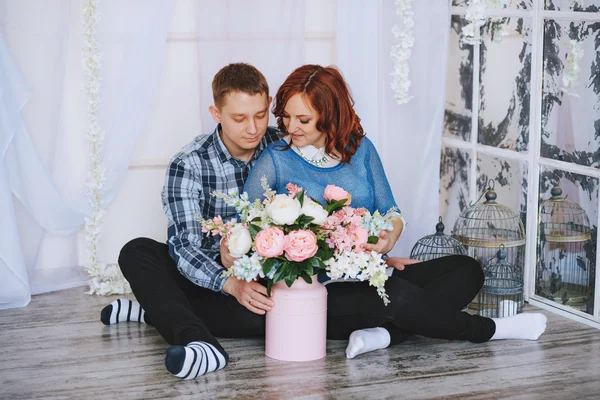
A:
[(399, 263), (226, 258), (251, 295)]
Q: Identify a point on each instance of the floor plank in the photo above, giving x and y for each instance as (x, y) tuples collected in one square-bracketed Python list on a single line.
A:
[(56, 348)]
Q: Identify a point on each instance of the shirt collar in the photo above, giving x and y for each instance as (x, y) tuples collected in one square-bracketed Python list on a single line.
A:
[(225, 155), (222, 152)]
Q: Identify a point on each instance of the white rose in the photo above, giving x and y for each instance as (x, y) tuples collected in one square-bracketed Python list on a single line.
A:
[(315, 210), (239, 241), (283, 209)]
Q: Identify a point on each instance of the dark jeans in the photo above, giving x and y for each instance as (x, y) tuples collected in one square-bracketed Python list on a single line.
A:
[(426, 299)]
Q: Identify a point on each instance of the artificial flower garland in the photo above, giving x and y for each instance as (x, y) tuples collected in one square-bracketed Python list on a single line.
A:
[(475, 17), (103, 279), (402, 50), (571, 72), (570, 76)]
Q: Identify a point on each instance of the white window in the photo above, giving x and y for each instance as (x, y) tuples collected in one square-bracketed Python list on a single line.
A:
[(523, 108)]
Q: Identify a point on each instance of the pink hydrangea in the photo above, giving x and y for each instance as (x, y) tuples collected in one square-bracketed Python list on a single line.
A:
[(293, 189)]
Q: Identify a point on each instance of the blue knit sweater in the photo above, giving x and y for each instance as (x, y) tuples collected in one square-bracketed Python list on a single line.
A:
[(364, 177)]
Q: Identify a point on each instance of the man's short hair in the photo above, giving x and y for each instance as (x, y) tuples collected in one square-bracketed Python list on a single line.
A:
[(239, 77)]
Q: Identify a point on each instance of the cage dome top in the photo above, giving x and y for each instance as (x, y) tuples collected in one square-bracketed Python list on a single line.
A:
[(489, 224), (562, 220), (436, 245)]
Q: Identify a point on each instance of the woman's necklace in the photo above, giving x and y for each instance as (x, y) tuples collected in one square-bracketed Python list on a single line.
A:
[(318, 162)]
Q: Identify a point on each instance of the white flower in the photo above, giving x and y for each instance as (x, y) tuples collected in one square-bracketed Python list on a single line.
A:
[(239, 241), (315, 210), (283, 209), (362, 266)]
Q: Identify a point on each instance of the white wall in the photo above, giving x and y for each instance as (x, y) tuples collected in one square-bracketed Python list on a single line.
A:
[(175, 121)]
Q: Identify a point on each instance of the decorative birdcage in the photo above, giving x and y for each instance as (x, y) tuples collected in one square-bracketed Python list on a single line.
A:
[(489, 224), (484, 226), (563, 273), (436, 245), (502, 292)]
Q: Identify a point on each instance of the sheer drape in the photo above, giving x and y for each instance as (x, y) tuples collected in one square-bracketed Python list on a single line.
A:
[(409, 136), (43, 145), (267, 34)]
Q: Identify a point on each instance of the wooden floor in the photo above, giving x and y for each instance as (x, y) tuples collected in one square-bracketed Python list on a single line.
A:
[(57, 348)]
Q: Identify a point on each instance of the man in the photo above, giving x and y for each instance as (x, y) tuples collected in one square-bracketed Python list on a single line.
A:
[(179, 285)]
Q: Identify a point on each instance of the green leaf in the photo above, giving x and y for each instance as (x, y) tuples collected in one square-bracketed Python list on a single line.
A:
[(307, 278), (300, 197), (333, 206), (268, 264), (254, 229), (281, 272), (304, 220), (373, 239), (269, 286), (315, 266), (308, 269), (289, 280), (293, 273), (322, 265), (295, 269), (313, 199), (324, 254)]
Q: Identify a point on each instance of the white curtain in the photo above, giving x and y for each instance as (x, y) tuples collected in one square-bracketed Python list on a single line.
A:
[(409, 136), (267, 34), (43, 144)]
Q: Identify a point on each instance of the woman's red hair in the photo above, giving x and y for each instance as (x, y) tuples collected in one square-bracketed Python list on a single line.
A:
[(328, 94)]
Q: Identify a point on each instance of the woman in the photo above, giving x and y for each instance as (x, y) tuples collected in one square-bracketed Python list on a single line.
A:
[(324, 144)]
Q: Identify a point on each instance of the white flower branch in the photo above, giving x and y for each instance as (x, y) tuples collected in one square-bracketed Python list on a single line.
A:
[(401, 51), (570, 76), (103, 279), (476, 18)]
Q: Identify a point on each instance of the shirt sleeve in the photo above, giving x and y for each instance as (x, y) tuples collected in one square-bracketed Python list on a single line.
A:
[(264, 167), (182, 198), (384, 198)]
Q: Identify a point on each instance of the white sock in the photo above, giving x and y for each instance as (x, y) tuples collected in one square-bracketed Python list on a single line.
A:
[(122, 310), (194, 360), (527, 326), (365, 340)]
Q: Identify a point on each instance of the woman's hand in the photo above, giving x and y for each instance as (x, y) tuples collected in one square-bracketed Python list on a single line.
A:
[(387, 239), (226, 258), (383, 245), (399, 263)]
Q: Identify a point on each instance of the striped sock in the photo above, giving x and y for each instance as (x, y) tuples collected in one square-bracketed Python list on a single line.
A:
[(194, 360), (123, 310)]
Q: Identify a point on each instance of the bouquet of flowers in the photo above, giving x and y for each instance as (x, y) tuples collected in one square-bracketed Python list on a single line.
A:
[(287, 236)]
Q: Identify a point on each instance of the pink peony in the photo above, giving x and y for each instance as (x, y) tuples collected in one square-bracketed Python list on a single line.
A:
[(270, 242), (300, 245), (335, 193)]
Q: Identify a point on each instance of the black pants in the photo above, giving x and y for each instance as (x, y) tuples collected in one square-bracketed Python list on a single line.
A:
[(426, 299)]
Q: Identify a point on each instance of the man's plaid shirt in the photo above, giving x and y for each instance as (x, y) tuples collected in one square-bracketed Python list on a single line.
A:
[(203, 166)]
